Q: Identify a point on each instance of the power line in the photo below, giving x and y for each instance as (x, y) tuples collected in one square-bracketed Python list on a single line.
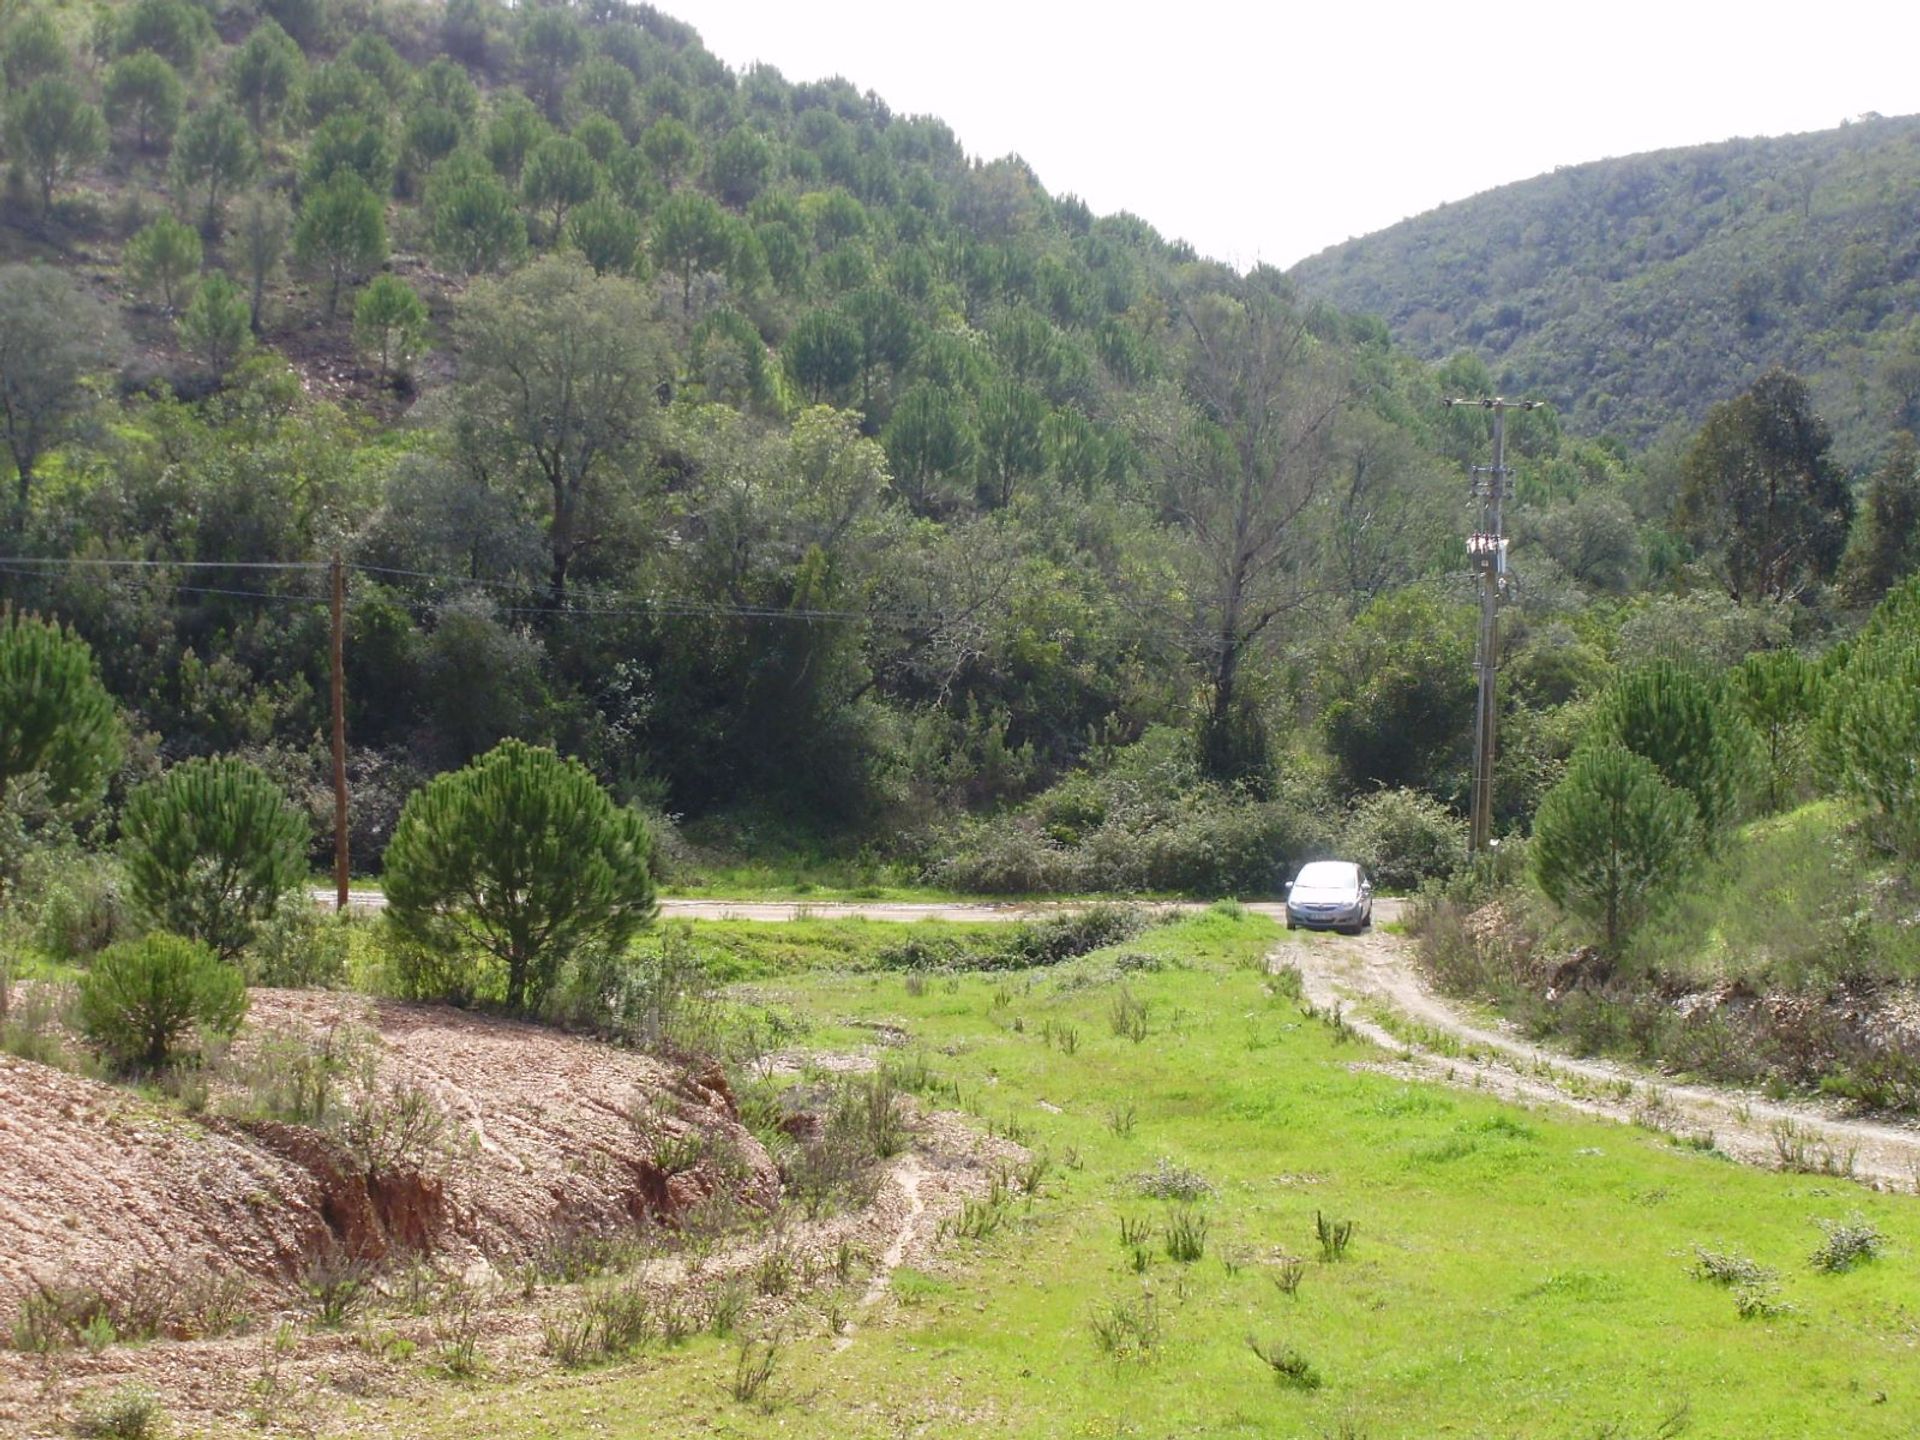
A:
[(598, 604), (98, 563)]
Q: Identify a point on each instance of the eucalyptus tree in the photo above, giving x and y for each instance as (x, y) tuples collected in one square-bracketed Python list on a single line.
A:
[(53, 334), (560, 370), (1244, 464), (1760, 494)]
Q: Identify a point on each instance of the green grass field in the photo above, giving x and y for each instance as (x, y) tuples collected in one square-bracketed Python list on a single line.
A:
[(1511, 1272)]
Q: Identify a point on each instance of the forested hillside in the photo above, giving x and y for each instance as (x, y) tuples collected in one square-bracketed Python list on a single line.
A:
[(815, 483), (1637, 292)]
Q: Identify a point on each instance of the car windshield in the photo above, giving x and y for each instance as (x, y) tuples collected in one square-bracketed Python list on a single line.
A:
[(1328, 875)]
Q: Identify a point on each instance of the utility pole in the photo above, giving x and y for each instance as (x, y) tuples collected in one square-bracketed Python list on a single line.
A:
[(337, 576), (1487, 545)]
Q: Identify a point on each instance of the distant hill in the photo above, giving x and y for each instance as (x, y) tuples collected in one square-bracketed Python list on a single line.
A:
[(1640, 291)]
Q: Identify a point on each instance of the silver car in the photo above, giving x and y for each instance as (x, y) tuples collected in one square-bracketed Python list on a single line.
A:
[(1330, 895)]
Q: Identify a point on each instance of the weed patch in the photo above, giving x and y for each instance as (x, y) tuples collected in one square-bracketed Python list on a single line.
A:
[(1334, 1237), (1288, 1365), (1849, 1244)]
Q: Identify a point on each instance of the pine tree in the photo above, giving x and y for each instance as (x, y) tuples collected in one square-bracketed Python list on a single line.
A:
[(56, 719), (1611, 840), (473, 224), (1698, 744), (390, 319), (144, 94), (55, 133), (342, 233), (212, 848), (217, 325), (1870, 726), (164, 257), (215, 154), (606, 234), (523, 856), (1778, 691)]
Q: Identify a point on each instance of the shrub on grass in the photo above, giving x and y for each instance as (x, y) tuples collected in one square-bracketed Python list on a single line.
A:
[(1168, 1181), (1128, 1329), (1289, 1366), (142, 998), (1066, 937), (1186, 1235), (1728, 1269), (1334, 1236), (1849, 1243)]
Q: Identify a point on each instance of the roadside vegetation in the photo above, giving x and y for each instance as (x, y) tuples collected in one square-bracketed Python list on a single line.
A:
[(1724, 884)]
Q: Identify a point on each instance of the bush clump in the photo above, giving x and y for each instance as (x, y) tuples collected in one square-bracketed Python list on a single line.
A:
[(1404, 838), (300, 949), (1051, 941), (1142, 818), (142, 999)]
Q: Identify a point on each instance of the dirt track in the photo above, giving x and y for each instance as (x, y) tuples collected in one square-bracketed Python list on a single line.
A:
[(969, 912), (1374, 979)]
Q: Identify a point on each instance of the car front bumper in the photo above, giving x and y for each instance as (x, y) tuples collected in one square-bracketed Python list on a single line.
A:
[(1326, 917)]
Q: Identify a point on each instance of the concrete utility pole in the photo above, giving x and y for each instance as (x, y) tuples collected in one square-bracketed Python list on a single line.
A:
[(1487, 545)]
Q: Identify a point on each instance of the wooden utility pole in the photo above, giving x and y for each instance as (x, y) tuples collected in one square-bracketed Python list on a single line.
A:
[(1487, 546), (337, 575)]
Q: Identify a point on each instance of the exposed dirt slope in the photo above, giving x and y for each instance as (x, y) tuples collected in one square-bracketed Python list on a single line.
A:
[(1375, 975), (540, 1135), (95, 1183)]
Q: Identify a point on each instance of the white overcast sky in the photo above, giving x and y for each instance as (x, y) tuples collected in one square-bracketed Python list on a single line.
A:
[(1268, 132)]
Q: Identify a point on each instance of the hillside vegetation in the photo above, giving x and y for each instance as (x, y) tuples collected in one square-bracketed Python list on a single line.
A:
[(1635, 293), (819, 491)]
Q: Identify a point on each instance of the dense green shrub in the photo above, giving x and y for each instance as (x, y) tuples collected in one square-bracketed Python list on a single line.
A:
[(1145, 819), (142, 999), (1023, 947), (300, 949), (212, 849), (1404, 838), (81, 904), (1003, 856)]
